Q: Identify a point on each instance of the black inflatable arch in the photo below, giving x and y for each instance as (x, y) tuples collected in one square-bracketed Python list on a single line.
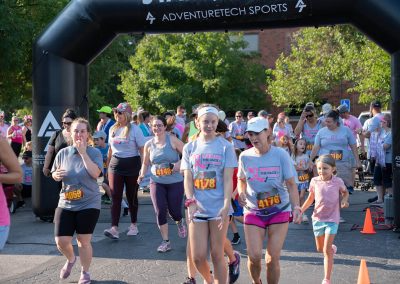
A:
[(85, 27)]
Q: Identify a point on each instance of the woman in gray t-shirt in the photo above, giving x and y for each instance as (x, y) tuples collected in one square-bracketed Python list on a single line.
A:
[(268, 204), (78, 167), (208, 163)]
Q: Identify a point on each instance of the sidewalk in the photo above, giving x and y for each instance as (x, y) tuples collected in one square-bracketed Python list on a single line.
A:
[(30, 256)]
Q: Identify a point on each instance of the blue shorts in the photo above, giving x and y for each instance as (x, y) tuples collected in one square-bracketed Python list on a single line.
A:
[(237, 209), (4, 230), (324, 228), (303, 186)]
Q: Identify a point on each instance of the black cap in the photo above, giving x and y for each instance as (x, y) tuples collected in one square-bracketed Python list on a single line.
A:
[(27, 154), (376, 103)]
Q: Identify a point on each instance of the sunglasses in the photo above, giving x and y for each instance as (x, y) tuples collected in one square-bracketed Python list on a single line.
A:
[(119, 112), (238, 116), (67, 123), (158, 125), (310, 115)]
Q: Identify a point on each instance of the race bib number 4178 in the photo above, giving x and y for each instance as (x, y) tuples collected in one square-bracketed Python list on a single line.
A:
[(205, 180)]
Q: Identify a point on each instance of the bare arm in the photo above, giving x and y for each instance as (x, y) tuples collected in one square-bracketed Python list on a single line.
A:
[(47, 160), (145, 162), (355, 154), (294, 200), (10, 161), (91, 167), (310, 199), (300, 124)]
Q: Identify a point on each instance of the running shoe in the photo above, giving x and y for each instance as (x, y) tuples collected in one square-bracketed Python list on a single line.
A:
[(326, 281), (189, 280), (305, 218), (182, 231), (234, 269), (164, 246), (334, 248), (67, 268), (85, 278), (133, 230), (111, 233), (235, 240)]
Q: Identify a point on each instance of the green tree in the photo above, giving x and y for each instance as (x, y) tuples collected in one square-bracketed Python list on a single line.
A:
[(323, 58), (168, 70)]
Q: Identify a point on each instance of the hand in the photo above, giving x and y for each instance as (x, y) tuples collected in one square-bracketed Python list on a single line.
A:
[(191, 210), (81, 145), (344, 204), (46, 172), (297, 216), (59, 174), (223, 213), (139, 179), (303, 115), (310, 166), (242, 199), (177, 167)]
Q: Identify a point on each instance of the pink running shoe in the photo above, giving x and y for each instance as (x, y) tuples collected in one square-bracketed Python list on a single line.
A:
[(133, 230), (67, 268), (326, 281), (111, 233), (334, 249), (182, 231), (85, 278)]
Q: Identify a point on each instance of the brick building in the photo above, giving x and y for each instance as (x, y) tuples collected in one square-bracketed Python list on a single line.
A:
[(271, 43)]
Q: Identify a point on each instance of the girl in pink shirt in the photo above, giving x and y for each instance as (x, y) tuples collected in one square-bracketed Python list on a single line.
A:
[(326, 189)]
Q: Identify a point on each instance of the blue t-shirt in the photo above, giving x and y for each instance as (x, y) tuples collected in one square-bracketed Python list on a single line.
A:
[(207, 161), (388, 152), (104, 153), (27, 171), (265, 176), (335, 143)]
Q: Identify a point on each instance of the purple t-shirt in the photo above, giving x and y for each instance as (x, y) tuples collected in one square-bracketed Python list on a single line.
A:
[(353, 123), (327, 198)]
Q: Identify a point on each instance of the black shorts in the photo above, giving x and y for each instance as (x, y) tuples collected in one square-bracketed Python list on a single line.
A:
[(26, 190), (383, 175), (68, 222)]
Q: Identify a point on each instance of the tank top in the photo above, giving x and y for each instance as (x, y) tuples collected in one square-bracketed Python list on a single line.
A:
[(162, 160), (18, 134), (28, 135)]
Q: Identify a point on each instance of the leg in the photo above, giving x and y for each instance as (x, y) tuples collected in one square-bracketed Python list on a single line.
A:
[(198, 237), (158, 194), (276, 238), (228, 249), (189, 259), (64, 245), (174, 200), (328, 255), (85, 250), (116, 187), (254, 242), (18, 191), (217, 239), (132, 196), (64, 228)]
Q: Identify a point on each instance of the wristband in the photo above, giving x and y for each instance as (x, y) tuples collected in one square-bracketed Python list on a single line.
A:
[(189, 201)]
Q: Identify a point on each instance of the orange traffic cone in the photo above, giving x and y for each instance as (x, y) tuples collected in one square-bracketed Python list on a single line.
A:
[(363, 276), (368, 227)]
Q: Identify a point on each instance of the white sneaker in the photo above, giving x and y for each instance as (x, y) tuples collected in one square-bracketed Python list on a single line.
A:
[(133, 230), (305, 218)]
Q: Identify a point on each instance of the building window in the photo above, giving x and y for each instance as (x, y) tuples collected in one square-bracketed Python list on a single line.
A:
[(252, 42)]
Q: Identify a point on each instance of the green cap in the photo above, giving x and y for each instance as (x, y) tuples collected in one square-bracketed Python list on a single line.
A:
[(105, 109)]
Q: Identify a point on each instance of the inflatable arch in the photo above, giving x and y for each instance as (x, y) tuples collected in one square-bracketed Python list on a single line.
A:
[(86, 27)]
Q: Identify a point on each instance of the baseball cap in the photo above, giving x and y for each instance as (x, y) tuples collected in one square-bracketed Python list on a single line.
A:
[(342, 109), (376, 103), (105, 109), (262, 113), (99, 134), (124, 107), (257, 124), (326, 108)]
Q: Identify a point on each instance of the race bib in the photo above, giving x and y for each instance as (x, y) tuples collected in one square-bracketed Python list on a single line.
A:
[(72, 195), (265, 200), (304, 176), (163, 169), (239, 137), (205, 180), (309, 146), (336, 154)]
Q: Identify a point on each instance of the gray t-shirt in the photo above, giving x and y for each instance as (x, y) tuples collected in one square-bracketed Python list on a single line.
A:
[(207, 161), (309, 134), (162, 160), (237, 131), (79, 190), (387, 139), (265, 176), (335, 143), (125, 147)]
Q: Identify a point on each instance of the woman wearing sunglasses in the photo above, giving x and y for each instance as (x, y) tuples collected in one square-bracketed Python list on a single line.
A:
[(126, 143), (308, 126), (59, 140), (27, 128)]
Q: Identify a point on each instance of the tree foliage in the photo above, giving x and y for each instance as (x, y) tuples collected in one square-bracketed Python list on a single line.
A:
[(169, 70), (322, 58)]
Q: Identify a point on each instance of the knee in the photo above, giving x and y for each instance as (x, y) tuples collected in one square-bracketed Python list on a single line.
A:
[(198, 260), (255, 258), (62, 243), (320, 249), (328, 252), (83, 243), (272, 260), (217, 255)]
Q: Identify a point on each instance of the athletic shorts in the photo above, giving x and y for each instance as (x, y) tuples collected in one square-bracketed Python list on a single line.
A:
[(68, 222), (265, 221), (4, 230), (202, 219), (237, 209), (324, 228), (383, 175)]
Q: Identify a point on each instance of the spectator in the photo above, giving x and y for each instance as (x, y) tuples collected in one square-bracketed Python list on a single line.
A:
[(237, 130), (27, 129), (105, 122), (24, 189), (14, 133)]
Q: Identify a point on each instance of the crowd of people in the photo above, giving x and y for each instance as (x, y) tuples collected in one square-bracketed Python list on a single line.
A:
[(250, 170)]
